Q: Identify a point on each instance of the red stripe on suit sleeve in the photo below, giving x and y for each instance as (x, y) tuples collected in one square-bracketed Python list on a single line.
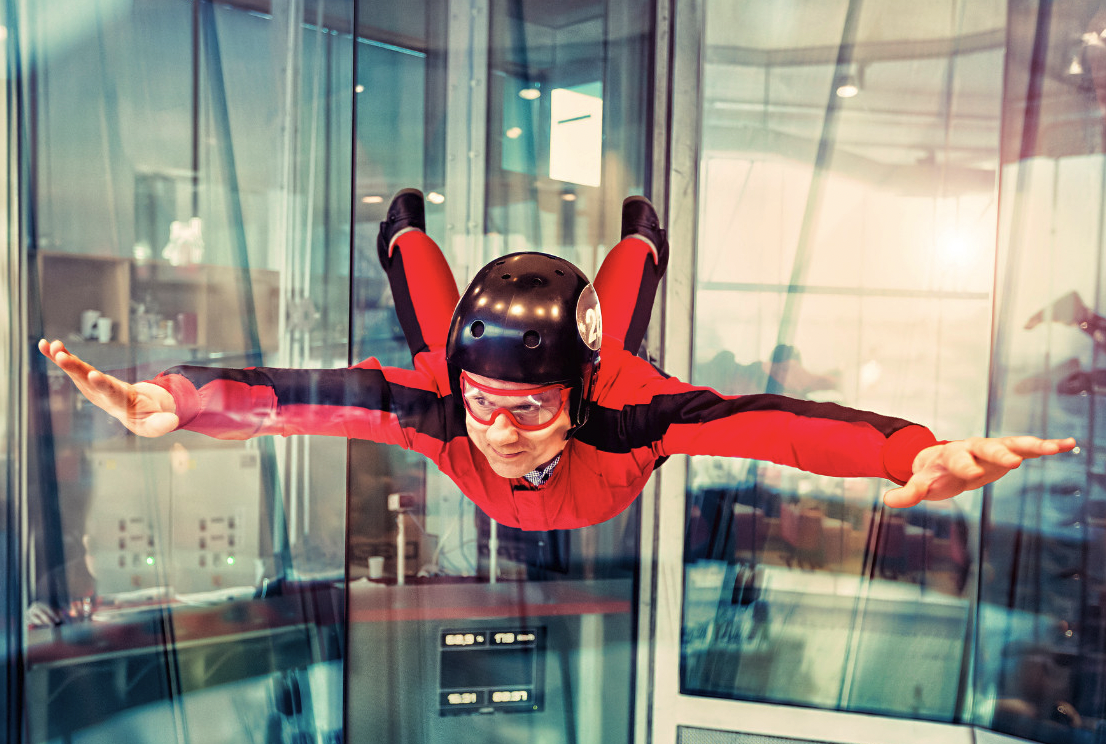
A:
[(823, 446)]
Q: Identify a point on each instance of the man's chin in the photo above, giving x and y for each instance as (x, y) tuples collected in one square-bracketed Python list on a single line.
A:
[(509, 470)]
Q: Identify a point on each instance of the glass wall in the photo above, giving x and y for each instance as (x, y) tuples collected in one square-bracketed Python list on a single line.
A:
[(1041, 648), (896, 206), (205, 184), (11, 642), (463, 629), (188, 188), (901, 210), (846, 246)]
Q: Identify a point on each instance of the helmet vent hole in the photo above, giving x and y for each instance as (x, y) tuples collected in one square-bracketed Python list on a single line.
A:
[(537, 281), (559, 272), (477, 329), (505, 276), (531, 339)]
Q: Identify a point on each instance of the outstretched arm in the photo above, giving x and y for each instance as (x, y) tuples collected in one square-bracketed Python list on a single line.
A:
[(946, 470), (146, 409)]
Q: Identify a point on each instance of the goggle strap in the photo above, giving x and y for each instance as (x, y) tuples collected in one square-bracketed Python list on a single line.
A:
[(519, 392)]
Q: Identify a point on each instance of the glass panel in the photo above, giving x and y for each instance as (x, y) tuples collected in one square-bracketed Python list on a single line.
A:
[(1041, 647), (845, 254), (191, 206), (455, 619), (11, 639)]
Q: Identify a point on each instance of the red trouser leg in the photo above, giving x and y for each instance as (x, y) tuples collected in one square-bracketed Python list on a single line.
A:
[(423, 289), (627, 285)]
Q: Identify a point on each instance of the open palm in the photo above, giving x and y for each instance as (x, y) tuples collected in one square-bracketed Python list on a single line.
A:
[(145, 409)]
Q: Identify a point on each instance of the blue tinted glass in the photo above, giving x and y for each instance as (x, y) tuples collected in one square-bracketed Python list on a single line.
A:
[(837, 264), (191, 207), (1039, 653), (463, 629), (873, 284)]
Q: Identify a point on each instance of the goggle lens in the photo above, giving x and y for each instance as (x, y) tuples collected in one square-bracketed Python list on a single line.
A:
[(528, 408)]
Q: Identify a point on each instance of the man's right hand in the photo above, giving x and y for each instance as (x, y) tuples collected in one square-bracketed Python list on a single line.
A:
[(146, 409)]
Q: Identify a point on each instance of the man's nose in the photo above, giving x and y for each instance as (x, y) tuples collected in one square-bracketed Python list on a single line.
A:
[(502, 430)]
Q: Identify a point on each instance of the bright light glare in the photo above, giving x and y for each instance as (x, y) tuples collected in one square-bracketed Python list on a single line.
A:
[(576, 139), (372, 199), (435, 198), (529, 94), (954, 248), (513, 133)]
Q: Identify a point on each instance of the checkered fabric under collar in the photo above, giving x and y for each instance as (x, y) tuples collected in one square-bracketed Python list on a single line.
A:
[(540, 476)]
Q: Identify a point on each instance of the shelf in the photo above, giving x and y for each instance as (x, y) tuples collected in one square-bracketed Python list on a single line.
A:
[(213, 295)]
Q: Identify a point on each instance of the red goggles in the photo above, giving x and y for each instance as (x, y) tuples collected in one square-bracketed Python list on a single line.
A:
[(530, 409)]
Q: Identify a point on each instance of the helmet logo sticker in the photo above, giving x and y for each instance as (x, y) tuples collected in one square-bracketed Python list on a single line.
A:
[(589, 320)]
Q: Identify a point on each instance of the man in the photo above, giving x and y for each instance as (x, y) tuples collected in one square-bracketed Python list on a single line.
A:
[(530, 399)]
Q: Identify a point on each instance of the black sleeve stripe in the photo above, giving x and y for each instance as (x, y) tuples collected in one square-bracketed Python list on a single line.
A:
[(642, 424), (404, 306)]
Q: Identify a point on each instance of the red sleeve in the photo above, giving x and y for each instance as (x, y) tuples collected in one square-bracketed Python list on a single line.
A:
[(380, 404), (901, 449), (673, 417)]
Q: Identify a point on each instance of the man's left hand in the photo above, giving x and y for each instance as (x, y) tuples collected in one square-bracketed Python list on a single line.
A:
[(946, 470)]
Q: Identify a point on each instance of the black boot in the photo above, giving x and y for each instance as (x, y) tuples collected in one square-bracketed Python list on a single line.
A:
[(406, 210), (639, 218)]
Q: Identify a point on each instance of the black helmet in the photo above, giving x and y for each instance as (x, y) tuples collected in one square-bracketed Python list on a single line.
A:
[(530, 318)]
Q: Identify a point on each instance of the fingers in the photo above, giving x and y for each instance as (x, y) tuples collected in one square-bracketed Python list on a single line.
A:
[(1010, 451), (1028, 446), (904, 497), (69, 362), (964, 462), (1004, 452), (103, 390), (946, 470)]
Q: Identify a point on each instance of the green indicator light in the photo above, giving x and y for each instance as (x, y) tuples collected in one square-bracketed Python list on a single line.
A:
[(149, 560), (230, 560)]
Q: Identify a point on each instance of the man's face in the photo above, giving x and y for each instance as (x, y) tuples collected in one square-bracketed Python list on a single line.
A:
[(513, 452)]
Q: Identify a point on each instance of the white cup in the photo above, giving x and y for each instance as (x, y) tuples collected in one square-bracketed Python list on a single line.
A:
[(103, 329), (376, 567), (88, 323)]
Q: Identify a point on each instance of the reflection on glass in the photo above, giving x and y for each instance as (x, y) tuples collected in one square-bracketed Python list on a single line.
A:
[(185, 213), (1041, 647), (845, 255), (576, 134), (871, 285), (11, 594), (463, 629)]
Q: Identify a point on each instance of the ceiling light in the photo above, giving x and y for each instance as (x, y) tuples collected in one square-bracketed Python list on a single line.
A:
[(529, 94), (569, 197), (435, 198), (848, 84), (848, 87), (372, 199), (513, 133)]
